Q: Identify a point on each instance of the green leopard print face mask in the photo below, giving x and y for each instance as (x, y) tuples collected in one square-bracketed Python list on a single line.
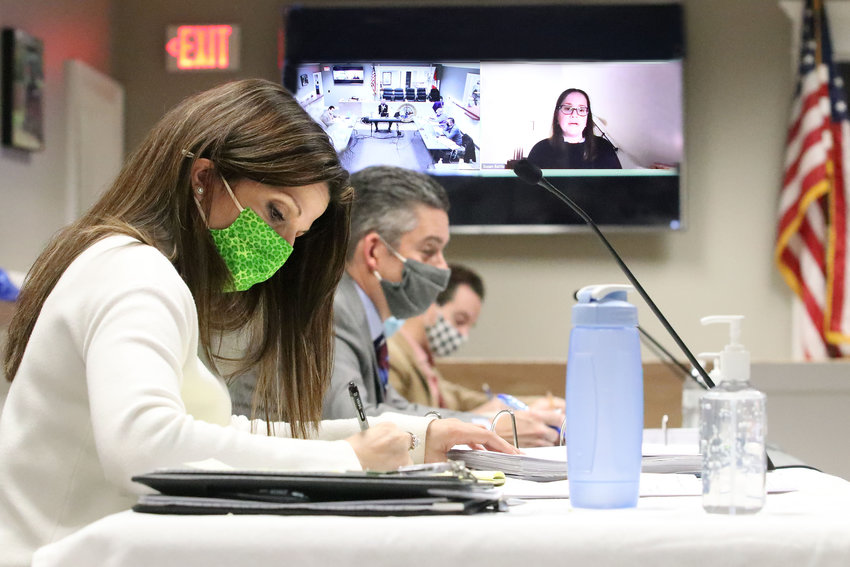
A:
[(251, 249)]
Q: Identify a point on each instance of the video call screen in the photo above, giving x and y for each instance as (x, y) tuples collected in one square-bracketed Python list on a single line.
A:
[(505, 108), (465, 107)]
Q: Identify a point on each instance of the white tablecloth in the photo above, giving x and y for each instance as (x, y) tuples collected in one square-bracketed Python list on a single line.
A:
[(810, 526)]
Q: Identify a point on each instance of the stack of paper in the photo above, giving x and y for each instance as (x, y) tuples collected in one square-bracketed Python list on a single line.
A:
[(543, 463), (650, 485), (550, 463)]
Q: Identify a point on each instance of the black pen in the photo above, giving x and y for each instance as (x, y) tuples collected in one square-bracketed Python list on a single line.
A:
[(358, 405)]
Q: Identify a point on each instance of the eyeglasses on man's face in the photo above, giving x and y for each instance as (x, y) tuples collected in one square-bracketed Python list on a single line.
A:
[(568, 109)]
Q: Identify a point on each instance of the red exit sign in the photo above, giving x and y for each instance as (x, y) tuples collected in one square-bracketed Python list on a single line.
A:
[(213, 47)]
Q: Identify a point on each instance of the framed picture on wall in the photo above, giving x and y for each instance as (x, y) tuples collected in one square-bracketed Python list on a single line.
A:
[(305, 80), (387, 78), (23, 90)]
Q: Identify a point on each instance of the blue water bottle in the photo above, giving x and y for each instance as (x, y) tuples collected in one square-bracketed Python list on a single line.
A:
[(604, 400)]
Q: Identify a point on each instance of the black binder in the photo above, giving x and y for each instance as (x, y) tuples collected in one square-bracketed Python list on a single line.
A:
[(349, 493)]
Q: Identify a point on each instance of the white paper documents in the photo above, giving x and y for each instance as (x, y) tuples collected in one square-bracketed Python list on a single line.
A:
[(550, 463)]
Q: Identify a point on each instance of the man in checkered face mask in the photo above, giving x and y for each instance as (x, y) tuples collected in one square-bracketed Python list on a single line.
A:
[(439, 332), (458, 308)]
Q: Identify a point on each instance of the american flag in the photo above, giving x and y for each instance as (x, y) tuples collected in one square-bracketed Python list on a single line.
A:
[(812, 246)]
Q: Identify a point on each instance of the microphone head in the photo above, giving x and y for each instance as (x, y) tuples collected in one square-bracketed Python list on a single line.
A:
[(528, 172)]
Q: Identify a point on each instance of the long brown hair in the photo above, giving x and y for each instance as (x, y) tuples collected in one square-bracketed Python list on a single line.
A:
[(250, 129)]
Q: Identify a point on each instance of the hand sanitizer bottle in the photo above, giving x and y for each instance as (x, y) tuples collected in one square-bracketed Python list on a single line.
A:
[(604, 400), (733, 422)]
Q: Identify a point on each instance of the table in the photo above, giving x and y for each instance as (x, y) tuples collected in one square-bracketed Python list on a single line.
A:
[(340, 133), (389, 120), (806, 527), (429, 131)]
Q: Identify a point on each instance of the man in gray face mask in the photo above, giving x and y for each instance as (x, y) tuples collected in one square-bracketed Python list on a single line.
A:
[(395, 269)]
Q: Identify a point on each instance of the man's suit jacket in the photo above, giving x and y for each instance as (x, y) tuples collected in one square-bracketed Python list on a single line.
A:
[(409, 377), (355, 360)]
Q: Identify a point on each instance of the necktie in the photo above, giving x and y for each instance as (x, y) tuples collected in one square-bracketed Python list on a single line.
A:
[(383, 356)]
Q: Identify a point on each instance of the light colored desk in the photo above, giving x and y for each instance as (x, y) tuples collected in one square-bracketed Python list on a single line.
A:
[(432, 140), (808, 527), (340, 133)]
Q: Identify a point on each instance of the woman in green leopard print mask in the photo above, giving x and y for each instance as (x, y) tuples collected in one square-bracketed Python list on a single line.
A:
[(117, 313)]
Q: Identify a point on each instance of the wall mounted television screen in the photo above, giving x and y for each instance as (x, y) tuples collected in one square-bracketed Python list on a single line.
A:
[(464, 106), (348, 74)]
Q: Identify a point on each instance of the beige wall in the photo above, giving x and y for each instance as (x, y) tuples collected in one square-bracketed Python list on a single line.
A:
[(139, 52), (32, 185), (738, 88)]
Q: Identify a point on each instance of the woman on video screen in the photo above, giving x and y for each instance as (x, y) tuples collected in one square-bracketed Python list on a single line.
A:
[(573, 145)]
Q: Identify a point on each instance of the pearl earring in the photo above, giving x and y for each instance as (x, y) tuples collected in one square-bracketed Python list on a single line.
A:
[(199, 190)]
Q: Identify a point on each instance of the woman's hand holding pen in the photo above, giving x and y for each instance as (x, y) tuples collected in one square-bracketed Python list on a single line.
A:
[(382, 447), (443, 434)]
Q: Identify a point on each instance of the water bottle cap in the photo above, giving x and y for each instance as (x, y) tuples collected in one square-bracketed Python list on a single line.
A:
[(604, 306)]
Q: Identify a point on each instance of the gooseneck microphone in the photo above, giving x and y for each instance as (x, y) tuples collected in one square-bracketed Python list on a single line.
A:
[(532, 174)]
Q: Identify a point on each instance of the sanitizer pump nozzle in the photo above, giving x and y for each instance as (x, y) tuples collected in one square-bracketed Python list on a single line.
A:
[(734, 359)]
